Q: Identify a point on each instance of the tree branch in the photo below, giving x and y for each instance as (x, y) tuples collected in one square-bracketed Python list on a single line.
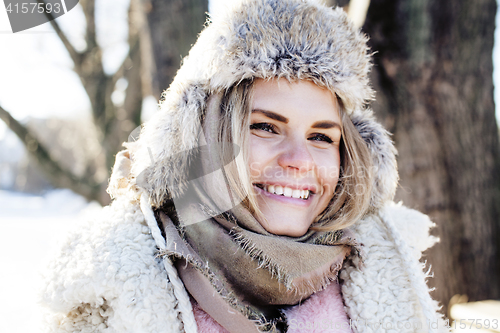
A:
[(89, 11), (74, 54), (57, 175)]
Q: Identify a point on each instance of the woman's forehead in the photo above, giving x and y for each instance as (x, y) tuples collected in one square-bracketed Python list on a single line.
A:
[(291, 99)]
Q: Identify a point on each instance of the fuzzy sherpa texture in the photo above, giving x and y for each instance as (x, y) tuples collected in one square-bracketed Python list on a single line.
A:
[(309, 41), (106, 277), (387, 291)]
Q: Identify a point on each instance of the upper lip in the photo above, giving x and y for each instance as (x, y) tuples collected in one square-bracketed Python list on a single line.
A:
[(311, 188)]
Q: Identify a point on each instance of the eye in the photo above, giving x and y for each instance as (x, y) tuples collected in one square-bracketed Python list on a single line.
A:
[(320, 137), (266, 127)]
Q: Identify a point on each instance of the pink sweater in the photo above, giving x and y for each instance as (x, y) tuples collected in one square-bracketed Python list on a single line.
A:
[(322, 312)]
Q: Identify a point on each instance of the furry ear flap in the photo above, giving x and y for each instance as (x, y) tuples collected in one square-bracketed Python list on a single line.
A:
[(383, 152), (162, 156)]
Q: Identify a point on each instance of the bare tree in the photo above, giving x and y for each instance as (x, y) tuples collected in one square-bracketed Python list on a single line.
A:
[(178, 24), (433, 73), (52, 168)]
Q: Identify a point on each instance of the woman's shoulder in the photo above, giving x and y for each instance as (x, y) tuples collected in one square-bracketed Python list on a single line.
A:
[(97, 245), (106, 268), (413, 226), (396, 223), (388, 284)]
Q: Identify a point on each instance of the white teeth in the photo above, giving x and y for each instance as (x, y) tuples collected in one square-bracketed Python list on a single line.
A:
[(278, 190), (287, 191)]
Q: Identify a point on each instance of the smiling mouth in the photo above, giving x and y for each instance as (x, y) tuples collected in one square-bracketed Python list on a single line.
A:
[(285, 191)]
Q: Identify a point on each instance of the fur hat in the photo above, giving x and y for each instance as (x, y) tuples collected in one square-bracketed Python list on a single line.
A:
[(294, 39)]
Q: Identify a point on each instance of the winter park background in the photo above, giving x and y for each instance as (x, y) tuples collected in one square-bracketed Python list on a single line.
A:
[(33, 215)]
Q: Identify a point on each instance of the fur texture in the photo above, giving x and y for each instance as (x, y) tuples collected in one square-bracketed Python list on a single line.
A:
[(393, 241)]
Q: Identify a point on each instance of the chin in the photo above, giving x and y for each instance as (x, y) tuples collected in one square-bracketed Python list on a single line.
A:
[(283, 227)]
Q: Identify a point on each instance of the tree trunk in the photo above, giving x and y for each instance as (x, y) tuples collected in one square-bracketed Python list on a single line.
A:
[(174, 26), (433, 73)]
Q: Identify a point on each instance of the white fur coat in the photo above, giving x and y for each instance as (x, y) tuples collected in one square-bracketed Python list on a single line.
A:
[(107, 277)]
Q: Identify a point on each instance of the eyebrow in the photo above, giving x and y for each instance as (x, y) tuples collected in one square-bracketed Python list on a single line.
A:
[(326, 124), (272, 115)]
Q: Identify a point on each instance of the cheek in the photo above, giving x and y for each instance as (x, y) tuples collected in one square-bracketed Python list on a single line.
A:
[(256, 157), (329, 170)]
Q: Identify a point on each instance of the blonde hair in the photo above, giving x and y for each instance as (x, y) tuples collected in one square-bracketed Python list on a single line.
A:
[(351, 198)]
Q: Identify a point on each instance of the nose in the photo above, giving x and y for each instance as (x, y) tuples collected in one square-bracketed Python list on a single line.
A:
[(296, 156)]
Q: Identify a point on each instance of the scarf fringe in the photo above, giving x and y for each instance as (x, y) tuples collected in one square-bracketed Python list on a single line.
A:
[(317, 284), (263, 260), (329, 238), (306, 286)]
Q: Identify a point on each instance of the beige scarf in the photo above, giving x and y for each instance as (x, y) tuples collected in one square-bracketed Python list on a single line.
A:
[(238, 272), (255, 274)]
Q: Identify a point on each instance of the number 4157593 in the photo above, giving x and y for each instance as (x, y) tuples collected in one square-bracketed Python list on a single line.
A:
[(34, 7)]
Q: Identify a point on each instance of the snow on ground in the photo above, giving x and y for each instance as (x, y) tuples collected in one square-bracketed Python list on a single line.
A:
[(29, 226)]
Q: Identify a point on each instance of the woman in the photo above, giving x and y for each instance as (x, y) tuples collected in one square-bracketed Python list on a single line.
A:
[(267, 186)]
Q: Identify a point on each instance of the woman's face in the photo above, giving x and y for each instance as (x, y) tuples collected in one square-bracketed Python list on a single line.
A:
[(294, 153)]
